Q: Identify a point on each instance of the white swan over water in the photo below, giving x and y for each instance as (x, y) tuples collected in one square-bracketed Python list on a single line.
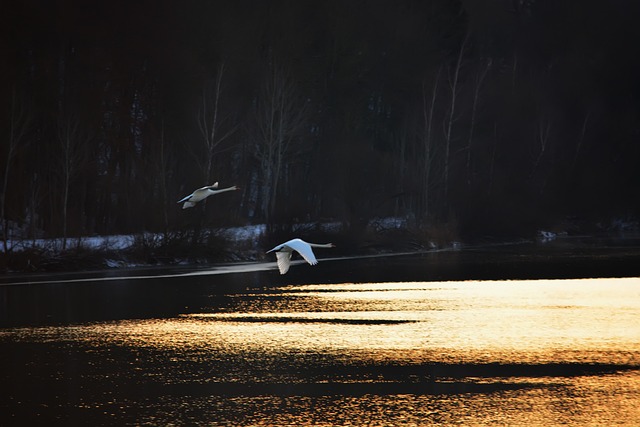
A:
[(285, 250), (202, 193)]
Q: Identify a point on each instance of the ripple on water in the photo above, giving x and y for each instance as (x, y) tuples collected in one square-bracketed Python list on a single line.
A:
[(471, 353)]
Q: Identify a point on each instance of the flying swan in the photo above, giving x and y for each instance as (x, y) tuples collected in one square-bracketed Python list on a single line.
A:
[(285, 250), (202, 193)]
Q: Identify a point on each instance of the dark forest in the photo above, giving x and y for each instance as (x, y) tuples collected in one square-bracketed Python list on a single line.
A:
[(490, 117)]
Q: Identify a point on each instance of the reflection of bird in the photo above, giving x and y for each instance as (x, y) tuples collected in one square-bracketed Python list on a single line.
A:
[(202, 193), (285, 250)]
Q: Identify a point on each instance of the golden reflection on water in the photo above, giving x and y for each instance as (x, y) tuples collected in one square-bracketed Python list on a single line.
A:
[(471, 321), (532, 321), (595, 321), (587, 402)]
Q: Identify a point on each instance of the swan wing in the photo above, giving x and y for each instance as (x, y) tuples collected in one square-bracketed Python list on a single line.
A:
[(202, 193), (284, 261), (304, 249), (186, 198), (199, 194), (277, 248), (188, 204), (208, 187)]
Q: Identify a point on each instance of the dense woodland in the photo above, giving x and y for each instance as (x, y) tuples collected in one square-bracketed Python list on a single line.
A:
[(490, 116)]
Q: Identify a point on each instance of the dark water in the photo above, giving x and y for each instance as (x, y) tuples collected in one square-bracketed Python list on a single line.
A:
[(473, 337)]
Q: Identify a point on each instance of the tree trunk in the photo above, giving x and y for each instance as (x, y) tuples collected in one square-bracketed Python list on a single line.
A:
[(19, 123), (65, 202), (542, 136), (451, 119), (71, 152), (427, 142), (583, 132), (476, 95), (280, 116), (162, 163), (493, 158)]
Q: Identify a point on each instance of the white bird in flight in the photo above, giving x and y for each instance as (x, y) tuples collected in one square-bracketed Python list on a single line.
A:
[(202, 193), (285, 250)]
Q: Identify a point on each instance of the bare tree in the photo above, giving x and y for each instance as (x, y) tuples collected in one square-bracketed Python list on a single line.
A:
[(453, 85), (280, 117), (428, 107), (162, 165), (213, 117), (19, 123), (492, 161), (477, 81), (542, 138), (211, 122), (34, 197), (71, 154), (401, 161), (580, 142)]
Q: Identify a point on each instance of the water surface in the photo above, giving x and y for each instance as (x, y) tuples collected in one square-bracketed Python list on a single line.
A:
[(251, 347)]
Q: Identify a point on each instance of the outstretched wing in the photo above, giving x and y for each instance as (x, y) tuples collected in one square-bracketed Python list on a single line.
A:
[(284, 261), (277, 248), (188, 204), (209, 187), (304, 250), (199, 190), (186, 198)]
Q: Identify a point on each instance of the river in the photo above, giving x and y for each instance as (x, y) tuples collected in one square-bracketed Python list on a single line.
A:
[(514, 336)]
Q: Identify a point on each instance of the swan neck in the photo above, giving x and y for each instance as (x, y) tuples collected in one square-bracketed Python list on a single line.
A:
[(225, 189), (320, 245)]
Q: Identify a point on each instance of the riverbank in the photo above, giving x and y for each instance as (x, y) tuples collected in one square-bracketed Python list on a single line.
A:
[(249, 244)]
